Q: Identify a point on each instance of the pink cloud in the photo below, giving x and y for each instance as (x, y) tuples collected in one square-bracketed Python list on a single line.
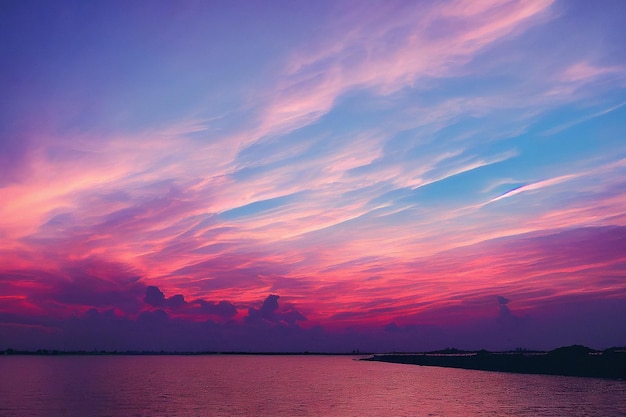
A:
[(386, 51), (534, 186), (585, 71), (351, 242)]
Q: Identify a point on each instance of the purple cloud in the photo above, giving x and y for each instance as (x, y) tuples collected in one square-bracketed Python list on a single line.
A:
[(162, 172)]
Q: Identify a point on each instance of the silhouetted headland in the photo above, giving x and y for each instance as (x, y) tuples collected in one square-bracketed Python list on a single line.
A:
[(573, 360)]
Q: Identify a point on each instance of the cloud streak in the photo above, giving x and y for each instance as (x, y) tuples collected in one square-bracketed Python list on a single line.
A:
[(379, 166)]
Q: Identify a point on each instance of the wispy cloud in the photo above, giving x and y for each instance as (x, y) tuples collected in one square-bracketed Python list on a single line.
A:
[(534, 186), (377, 163), (568, 125)]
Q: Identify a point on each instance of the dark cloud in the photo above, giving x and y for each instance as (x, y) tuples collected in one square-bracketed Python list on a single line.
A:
[(154, 296), (113, 307), (267, 310), (155, 317), (162, 329), (392, 328), (595, 324), (270, 313), (177, 301), (504, 310), (223, 309), (505, 315)]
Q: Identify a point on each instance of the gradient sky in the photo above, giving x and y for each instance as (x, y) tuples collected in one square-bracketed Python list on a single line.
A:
[(324, 175)]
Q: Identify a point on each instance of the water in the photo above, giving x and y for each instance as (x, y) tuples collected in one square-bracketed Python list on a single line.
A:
[(155, 386)]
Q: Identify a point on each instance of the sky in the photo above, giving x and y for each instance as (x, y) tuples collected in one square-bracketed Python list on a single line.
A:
[(312, 176)]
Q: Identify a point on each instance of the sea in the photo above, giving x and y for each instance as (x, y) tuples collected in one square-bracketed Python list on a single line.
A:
[(289, 385)]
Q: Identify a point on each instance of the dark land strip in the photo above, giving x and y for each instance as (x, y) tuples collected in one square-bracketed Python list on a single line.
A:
[(569, 361)]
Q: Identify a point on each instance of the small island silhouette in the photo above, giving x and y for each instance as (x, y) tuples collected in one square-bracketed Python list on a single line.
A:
[(575, 360)]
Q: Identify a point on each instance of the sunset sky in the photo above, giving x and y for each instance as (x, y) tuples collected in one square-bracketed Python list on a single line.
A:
[(322, 175)]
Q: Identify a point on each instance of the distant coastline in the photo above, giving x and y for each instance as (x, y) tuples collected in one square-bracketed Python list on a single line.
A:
[(573, 360), (56, 352)]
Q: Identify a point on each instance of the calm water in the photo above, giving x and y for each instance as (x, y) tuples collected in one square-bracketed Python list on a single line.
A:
[(133, 386)]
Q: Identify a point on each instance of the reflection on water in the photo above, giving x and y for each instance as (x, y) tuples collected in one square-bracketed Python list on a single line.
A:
[(141, 386)]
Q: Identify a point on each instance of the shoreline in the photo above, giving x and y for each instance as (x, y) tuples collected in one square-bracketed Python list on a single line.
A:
[(566, 361)]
